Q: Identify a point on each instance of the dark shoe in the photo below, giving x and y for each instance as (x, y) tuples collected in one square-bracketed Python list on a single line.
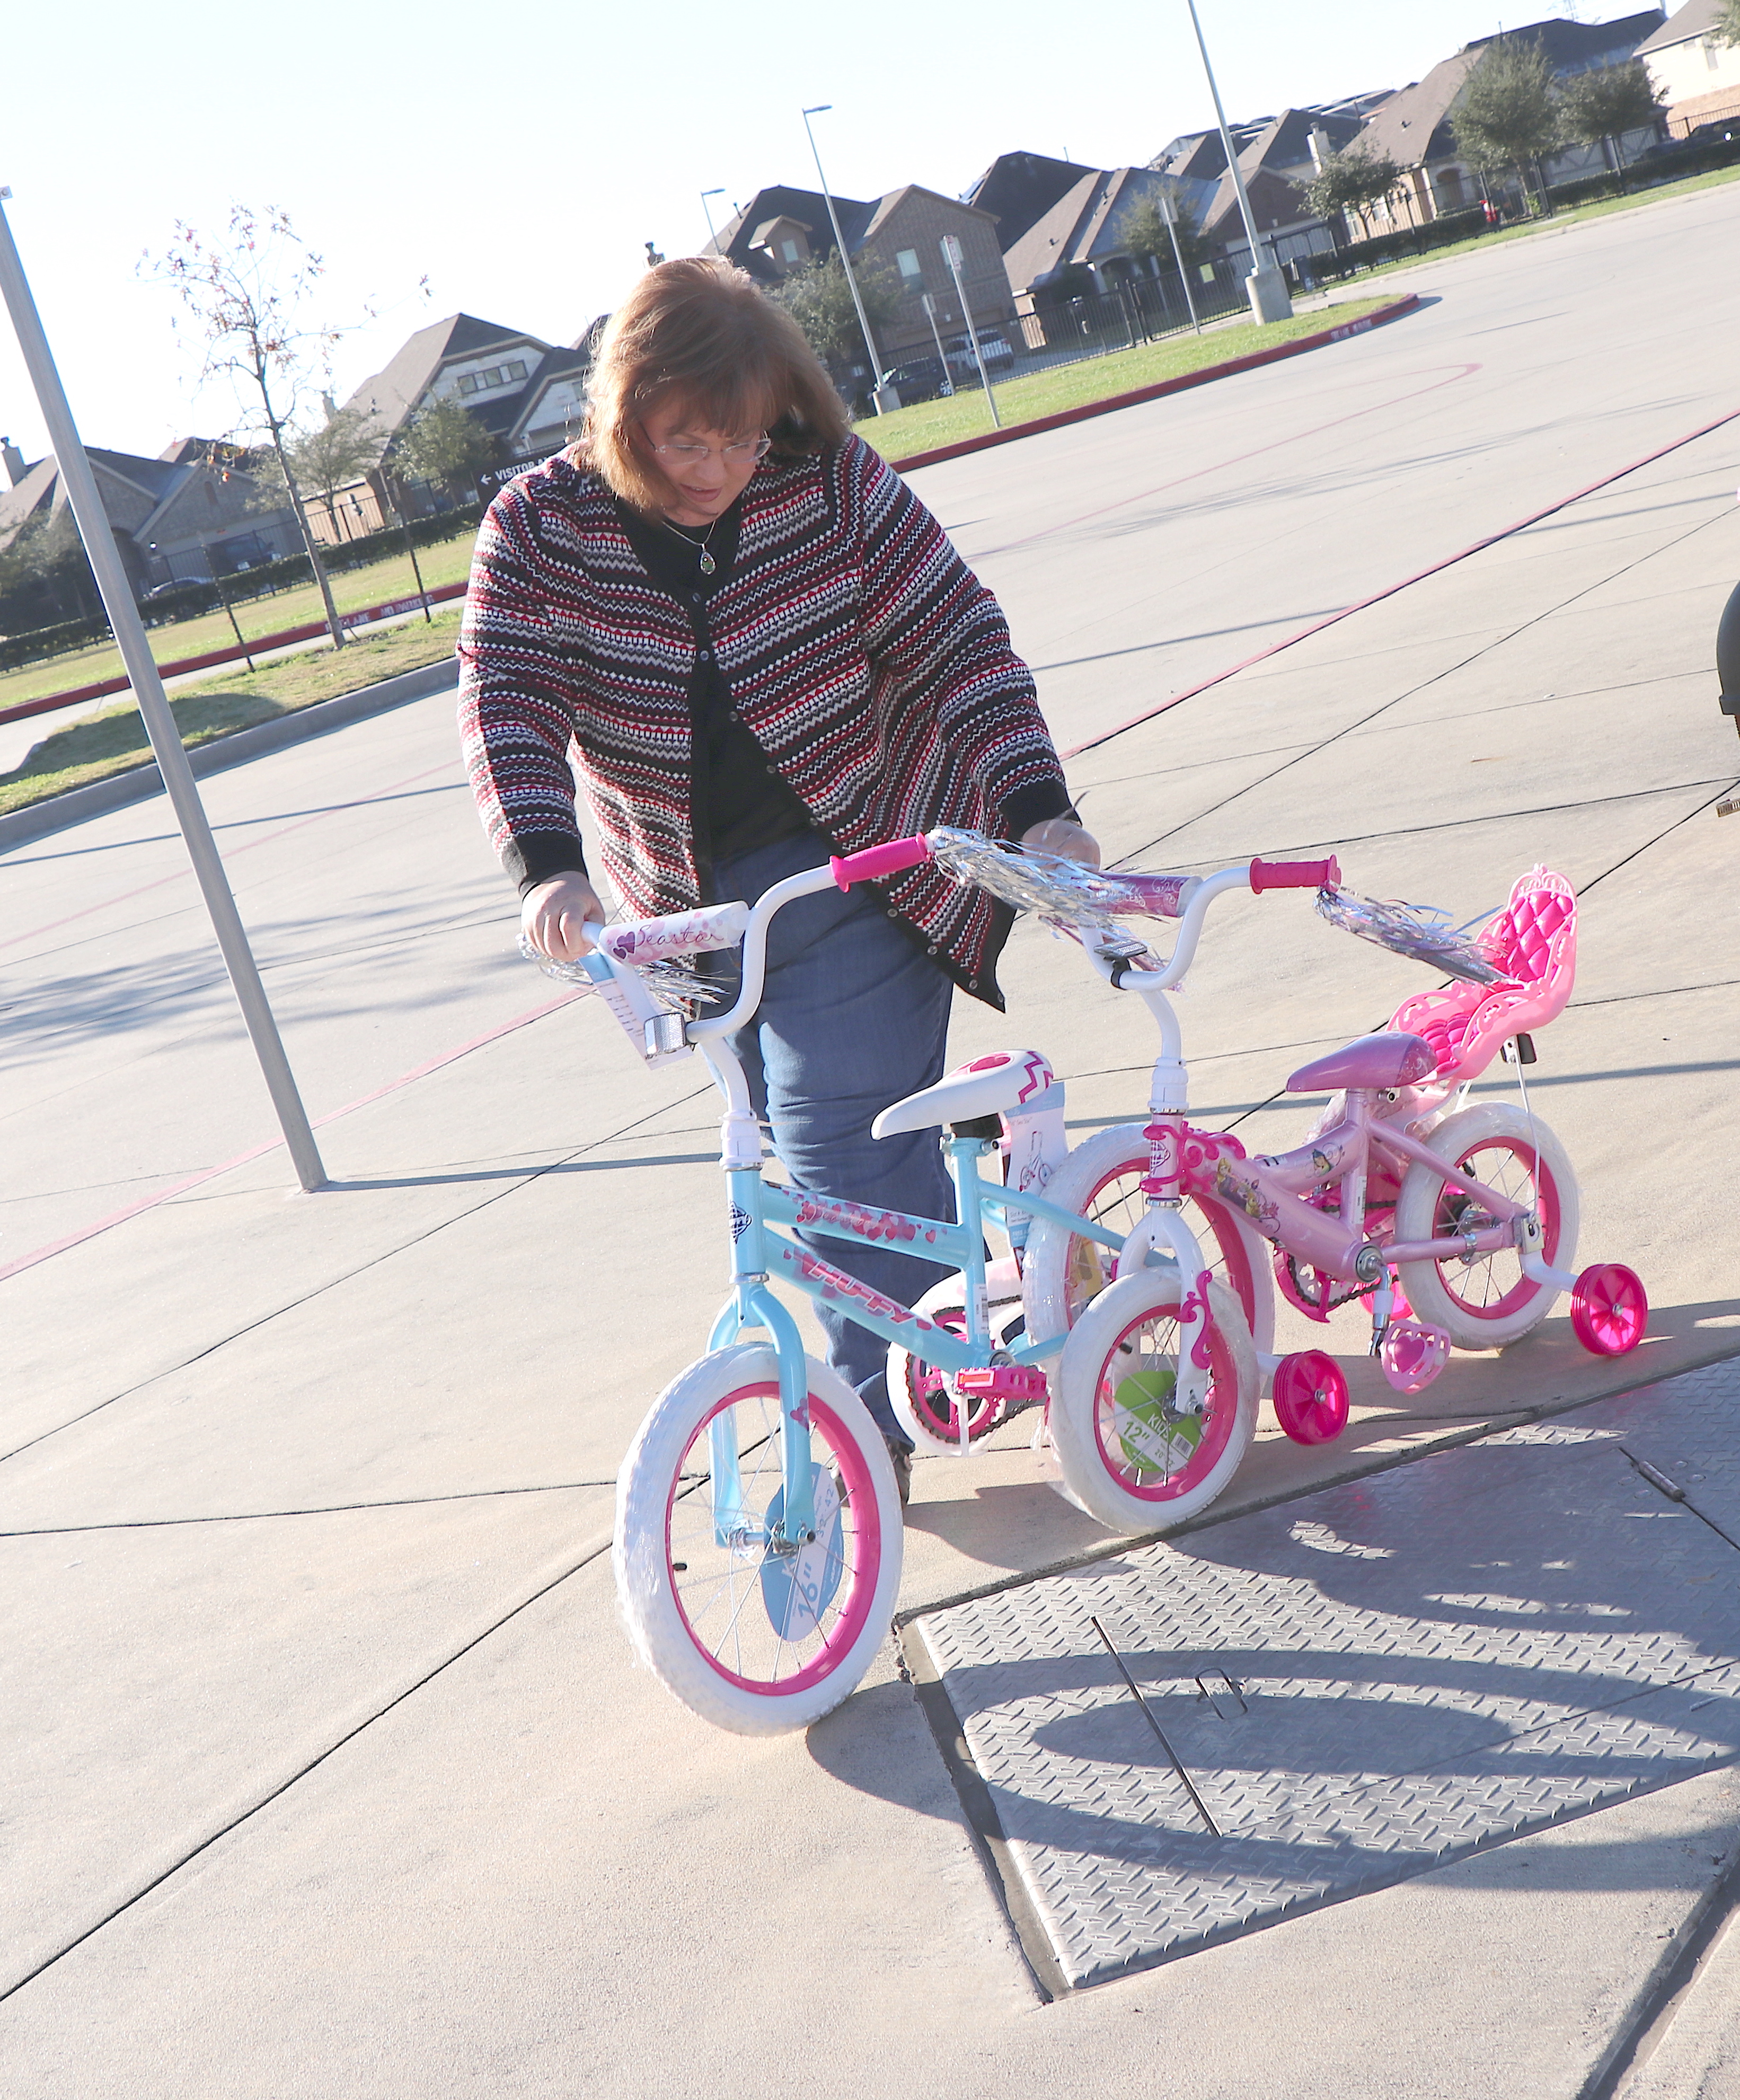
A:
[(900, 1455)]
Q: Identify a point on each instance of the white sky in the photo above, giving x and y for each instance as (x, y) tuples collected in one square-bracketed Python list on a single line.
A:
[(521, 155)]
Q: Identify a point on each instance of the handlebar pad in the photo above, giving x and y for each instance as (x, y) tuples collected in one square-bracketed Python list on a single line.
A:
[(1294, 874), (878, 860)]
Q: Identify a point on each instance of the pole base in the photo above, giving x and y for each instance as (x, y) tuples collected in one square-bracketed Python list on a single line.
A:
[(886, 398), (1267, 290)]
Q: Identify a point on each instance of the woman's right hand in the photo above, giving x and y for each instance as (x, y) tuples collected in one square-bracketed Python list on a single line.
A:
[(551, 916)]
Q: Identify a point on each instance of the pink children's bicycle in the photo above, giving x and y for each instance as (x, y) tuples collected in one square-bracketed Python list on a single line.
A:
[(1456, 1221)]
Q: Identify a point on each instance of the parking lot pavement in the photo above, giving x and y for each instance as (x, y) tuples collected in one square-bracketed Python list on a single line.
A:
[(332, 1775)]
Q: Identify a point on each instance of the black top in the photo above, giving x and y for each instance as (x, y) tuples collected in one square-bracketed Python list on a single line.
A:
[(738, 800)]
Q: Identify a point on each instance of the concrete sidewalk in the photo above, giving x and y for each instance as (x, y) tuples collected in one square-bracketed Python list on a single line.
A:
[(327, 1769)]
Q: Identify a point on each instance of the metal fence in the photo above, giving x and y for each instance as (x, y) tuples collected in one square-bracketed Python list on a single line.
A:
[(1141, 309)]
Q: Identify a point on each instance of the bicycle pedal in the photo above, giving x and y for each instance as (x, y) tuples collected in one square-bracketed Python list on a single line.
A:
[(1004, 1382)]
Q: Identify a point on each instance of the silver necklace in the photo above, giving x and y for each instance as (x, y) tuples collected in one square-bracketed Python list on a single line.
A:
[(708, 565)]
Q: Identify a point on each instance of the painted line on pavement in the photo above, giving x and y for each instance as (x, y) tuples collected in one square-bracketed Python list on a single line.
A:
[(1407, 583)]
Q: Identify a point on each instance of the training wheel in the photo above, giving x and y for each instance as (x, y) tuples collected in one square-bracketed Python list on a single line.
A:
[(1412, 1354), (1609, 1309), (1311, 1396)]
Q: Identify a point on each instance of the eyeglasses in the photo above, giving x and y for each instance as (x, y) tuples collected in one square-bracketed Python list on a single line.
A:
[(743, 452)]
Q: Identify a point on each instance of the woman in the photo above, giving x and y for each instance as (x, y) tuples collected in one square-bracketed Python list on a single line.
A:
[(756, 648)]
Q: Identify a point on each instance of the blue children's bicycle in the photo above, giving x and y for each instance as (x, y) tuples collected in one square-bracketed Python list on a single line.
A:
[(758, 1529)]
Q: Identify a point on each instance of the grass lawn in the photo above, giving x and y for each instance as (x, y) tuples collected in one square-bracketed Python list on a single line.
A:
[(1036, 394), (115, 740), (446, 562)]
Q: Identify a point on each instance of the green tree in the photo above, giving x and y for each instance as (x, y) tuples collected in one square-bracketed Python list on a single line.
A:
[(1727, 28), (1598, 108), (1352, 181), (443, 443), (45, 577), (1508, 116), (247, 290), (324, 460), (818, 298), (1143, 231)]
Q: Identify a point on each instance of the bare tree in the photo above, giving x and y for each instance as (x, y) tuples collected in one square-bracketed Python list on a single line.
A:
[(246, 290)]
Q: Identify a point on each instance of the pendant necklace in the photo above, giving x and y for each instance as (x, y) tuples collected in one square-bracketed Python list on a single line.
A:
[(708, 565)]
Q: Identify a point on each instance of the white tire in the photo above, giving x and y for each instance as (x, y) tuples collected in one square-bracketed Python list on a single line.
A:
[(1486, 1302), (1064, 1271), (922, 1402), (754, 1642), (1127, 1458)]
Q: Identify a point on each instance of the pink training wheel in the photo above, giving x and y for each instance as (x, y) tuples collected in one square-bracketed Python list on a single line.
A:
[(1311, 1396), (1609, 1309)]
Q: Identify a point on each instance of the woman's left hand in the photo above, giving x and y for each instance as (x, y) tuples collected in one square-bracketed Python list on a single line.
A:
[(1065, 837)]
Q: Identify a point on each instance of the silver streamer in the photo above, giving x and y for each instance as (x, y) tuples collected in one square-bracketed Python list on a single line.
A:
[(1421, 932), (670, 983), (1066, 892)]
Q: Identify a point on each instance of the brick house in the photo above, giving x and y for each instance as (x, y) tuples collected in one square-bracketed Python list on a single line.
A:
[(195, 512)]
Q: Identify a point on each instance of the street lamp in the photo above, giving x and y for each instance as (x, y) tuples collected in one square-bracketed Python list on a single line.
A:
[(712, 233), (1265, 288), (879, 392)]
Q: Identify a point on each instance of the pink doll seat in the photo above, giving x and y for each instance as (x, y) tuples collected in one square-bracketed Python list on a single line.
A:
[(1533, 942)]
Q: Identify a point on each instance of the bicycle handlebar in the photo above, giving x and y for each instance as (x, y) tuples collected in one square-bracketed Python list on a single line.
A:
[(1294, 875), (879, 860)]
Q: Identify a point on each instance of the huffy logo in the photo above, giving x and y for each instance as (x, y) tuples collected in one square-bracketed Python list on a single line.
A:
[(739, 1221)]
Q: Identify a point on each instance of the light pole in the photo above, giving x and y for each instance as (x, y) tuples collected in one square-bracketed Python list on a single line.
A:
[(879, 392), (98, 536), (1178, 257), (951, 255), (1266, 287), (712, 233)]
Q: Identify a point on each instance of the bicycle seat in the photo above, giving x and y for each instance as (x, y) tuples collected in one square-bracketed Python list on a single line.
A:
[(1533, 942), (1005, 1081), (1389, 1060)]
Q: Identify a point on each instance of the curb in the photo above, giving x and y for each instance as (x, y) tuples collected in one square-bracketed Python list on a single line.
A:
[(141, 783), (233, 653), (1296, 348)]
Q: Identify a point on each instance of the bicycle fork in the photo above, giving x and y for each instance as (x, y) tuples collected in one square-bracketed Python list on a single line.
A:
[(752, 1304)]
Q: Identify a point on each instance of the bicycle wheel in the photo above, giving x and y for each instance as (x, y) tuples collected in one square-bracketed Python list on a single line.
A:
[(922, 1399), (1129, 1457), (1484, 1301), (1102, 1179), (752, 1641)]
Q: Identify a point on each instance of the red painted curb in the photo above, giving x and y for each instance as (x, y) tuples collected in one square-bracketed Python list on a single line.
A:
[(1296, 348), (232, 654)]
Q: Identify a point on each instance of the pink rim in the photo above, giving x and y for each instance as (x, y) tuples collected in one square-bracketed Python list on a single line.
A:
[(1311, 1396), (1218, 1417), (1230, 1246), (1609, 1309), (925, 1384), (859, 1580), (1546, 1202)]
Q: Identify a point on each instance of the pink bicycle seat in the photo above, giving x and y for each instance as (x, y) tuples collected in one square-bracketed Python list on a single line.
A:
[(1533, 942), (1392, 1059)]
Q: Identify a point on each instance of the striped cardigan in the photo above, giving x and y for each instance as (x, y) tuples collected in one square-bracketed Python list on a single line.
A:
[(872, 667)]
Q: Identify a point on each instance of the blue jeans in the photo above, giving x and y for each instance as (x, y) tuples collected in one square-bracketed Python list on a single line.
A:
[(854, 1017)]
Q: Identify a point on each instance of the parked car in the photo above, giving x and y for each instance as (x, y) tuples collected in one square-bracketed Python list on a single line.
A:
[(919, 379), (993, 347)]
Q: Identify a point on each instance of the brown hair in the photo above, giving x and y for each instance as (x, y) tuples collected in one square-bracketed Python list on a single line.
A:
[(702, 333)]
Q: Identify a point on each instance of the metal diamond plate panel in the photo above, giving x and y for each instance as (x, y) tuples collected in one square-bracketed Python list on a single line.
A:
[(1362, 1684)]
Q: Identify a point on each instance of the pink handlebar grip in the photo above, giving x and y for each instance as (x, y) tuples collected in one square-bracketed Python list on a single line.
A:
[(1294, 874), (878, 860)]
